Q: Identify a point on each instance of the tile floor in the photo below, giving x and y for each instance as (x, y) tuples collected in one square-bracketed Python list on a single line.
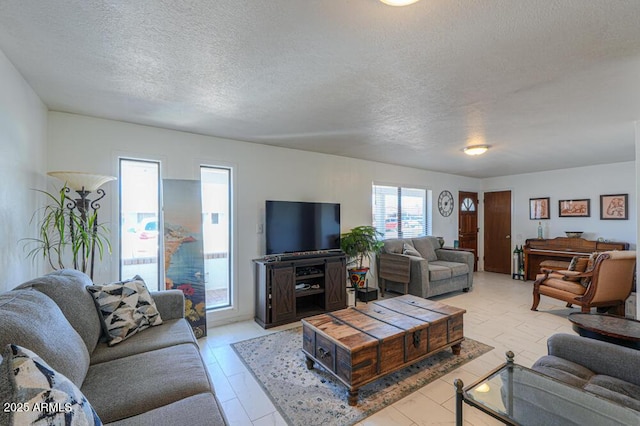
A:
[(498, 314)]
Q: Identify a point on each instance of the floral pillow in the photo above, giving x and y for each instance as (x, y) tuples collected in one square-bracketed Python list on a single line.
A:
[(33, 393), (577, 265), (125, 308)]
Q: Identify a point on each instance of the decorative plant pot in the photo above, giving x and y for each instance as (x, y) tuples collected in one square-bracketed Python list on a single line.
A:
[(358, 277)]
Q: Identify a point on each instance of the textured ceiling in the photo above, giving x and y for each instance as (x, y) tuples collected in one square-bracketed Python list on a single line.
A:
[(547, 83)]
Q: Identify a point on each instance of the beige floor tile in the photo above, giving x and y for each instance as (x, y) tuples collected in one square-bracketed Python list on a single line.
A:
[(235, 414), (228, 360), (387, 416), (223, 388), (424, 411), (251, 396), (271, 419), (438, 391)]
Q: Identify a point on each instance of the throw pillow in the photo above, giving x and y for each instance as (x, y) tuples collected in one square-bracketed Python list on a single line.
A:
[(33, 393), (590, 264), (125, 308), (410, 251), (578, 264)]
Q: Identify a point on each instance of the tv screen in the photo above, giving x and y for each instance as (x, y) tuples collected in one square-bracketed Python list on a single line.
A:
[(293, 226)]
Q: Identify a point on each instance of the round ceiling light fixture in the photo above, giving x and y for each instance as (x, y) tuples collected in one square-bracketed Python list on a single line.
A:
[(398, 2), (476, 149)]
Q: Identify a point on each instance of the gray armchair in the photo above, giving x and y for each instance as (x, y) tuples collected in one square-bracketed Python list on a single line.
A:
[(420, 267)]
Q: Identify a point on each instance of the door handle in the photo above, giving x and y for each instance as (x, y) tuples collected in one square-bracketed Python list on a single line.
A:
[(508, 236)]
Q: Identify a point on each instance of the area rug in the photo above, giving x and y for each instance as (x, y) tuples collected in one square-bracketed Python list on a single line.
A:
[(313, 397)]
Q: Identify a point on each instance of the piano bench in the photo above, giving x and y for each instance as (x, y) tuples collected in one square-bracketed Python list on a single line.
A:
[(555, 265)]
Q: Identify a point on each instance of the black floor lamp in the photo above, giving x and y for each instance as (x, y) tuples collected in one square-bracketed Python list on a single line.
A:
[(87, 211)]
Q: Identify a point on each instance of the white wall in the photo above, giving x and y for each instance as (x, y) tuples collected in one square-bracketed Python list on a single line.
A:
[(637, 215), (576, 183), (260, 173), (23, 123)]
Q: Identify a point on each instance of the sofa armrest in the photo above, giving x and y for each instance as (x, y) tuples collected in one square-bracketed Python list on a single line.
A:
[(170, 303), (395, 267), (598, 356)]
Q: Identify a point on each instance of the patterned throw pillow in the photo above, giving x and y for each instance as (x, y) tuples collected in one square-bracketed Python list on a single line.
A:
[(590, 264), (33, 393), (410, 251), (577, 264), (125, 308)]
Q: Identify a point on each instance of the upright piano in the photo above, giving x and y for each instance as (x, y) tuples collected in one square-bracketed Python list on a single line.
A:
[(562, 249)]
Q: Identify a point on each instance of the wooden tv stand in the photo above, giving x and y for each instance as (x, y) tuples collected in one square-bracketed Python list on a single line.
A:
[(279, 302)]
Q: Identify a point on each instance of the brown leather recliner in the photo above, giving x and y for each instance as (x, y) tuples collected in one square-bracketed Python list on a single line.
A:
[(611, 283)]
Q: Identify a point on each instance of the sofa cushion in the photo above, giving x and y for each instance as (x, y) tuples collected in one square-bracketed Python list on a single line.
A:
[(559, 284), (615, 389), (130, 386), (564, 370), (457, 268), (45, 396), (170, 333), (199, 409), (67, 288), (125, 308), (32, 320), (425, 248), (437, 272)]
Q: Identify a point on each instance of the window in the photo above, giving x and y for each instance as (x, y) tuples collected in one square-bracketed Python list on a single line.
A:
[(216, 228), (401, 212), (139, 214), (468, 205)]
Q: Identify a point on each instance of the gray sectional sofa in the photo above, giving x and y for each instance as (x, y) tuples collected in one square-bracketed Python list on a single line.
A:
[(423, 267), (605, 369), (155, 377)]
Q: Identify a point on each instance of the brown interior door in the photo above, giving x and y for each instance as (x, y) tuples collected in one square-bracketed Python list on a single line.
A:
[(468, 223), (497, 232)]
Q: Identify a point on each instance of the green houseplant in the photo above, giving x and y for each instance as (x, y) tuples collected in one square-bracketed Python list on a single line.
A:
[(67, 231), (360, 243)]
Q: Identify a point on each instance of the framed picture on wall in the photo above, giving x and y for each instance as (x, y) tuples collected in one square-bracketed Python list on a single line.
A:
[(539, 208), (614, 207), (574, 208)]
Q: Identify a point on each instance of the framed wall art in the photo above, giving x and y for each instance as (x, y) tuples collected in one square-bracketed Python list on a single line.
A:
[(574, 208), (614, 207), (539, 208)]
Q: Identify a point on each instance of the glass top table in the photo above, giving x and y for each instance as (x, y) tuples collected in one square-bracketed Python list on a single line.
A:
[(517, 395)]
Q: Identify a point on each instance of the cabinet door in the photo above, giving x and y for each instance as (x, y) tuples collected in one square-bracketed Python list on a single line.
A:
[(335, 285), (283, 294)]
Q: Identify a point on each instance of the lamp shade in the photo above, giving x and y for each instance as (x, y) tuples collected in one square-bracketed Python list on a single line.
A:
[(79, 181)]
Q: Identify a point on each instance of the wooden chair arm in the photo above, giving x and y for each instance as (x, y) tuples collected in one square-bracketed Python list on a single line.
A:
[(580, 275)]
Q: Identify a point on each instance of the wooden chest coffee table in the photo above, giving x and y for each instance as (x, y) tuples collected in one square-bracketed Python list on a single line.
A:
[(361, 344)]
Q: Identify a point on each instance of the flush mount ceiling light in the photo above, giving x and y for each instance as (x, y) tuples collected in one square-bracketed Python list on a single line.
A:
[(476, 149), (398, 2)]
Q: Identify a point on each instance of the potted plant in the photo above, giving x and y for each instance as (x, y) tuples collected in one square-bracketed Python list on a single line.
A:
[(66, 233), (360, 243)]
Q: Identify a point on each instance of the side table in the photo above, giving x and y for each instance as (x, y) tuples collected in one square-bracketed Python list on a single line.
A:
[(609, 328)]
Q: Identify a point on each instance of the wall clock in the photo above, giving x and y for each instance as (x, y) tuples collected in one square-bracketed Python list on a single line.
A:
[(445, 203)]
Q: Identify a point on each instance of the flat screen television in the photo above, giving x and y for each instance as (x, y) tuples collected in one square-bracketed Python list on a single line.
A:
[(294, 226)]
